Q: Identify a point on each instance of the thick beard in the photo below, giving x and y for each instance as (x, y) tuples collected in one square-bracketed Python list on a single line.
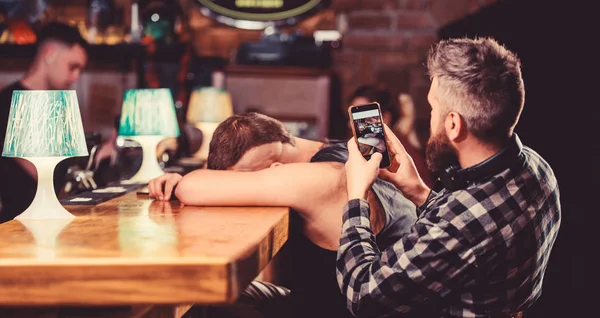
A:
[(439, 153)]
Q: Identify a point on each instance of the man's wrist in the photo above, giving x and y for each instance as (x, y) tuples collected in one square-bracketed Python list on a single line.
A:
[(419, 194), (357, 194)]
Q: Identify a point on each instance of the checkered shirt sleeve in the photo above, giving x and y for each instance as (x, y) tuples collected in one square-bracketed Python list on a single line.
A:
[(471, 252), (420, 268)]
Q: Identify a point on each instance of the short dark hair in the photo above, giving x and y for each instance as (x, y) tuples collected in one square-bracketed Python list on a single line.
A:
[(61, 32), (240, 133), (374, 94), (481, 80)]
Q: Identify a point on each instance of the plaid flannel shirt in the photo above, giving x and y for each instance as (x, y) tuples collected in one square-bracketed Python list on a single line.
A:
[(472, 252)]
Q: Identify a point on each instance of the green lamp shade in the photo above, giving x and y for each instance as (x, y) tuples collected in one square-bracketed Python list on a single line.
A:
[(148, 112), (44, 124)]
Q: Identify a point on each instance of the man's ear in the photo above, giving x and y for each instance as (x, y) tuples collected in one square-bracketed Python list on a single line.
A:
[(455, 126), (49, 52), (275, 164)]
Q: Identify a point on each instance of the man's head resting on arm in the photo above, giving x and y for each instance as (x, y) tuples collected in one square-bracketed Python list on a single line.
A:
[(242, 142), (249, 142)]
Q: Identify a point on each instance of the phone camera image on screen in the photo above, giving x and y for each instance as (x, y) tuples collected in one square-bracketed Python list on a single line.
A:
[(369, 132)]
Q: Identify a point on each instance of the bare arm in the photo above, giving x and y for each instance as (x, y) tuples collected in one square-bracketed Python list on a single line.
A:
[(299, 186)]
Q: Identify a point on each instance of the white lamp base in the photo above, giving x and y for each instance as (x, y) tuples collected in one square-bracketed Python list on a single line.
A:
[(150, 168), (45, 205)]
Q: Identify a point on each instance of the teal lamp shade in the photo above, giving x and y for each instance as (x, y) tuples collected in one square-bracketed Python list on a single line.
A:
[(148, 116), (44, 124), (148, 112), (44, 127)]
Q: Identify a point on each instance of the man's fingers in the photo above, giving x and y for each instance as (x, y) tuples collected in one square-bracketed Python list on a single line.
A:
[(169, 184), (150, 188), (159, 186), (353, 151), (375, 160), (394, 145), (384, 174), (155, 187), (394, 164)]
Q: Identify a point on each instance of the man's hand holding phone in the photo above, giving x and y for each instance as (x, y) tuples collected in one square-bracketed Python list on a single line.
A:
[(368, 131), (360, 173), (402, 172)]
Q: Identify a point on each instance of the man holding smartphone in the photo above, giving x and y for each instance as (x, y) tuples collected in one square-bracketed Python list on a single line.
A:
[(482, 240)]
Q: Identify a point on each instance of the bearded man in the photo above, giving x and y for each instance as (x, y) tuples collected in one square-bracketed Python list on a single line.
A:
[(483, 237)]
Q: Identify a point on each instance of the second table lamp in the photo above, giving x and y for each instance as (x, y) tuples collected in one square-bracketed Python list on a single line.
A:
[(148, 116)]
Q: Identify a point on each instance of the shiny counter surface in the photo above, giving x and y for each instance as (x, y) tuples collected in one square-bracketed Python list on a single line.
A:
[(133, 250)]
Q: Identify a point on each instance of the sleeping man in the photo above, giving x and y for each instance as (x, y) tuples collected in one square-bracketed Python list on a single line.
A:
[(254, 161)]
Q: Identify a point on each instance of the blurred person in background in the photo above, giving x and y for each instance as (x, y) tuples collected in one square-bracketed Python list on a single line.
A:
[(405, 126)]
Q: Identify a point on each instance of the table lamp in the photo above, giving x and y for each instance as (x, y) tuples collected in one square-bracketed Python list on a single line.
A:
[(207, 108), (44, 127), (148, 116)]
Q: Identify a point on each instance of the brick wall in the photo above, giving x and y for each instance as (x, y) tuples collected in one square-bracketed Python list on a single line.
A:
[(386, 41)]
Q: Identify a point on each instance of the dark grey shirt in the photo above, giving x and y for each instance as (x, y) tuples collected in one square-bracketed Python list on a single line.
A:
[(313, 284)]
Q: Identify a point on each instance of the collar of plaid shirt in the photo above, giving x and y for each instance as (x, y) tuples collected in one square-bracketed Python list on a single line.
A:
[(454, 178)]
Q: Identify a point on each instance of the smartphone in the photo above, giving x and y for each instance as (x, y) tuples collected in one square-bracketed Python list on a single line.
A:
[(367, 127)]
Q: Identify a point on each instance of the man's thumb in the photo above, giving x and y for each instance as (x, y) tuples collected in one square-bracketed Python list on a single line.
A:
[(353, 148), (375, 159)]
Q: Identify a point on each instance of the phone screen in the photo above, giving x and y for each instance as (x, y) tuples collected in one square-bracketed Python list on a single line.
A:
[(368, 129)]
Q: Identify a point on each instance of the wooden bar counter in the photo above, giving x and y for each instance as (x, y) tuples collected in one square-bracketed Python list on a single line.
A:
[(133, 250)]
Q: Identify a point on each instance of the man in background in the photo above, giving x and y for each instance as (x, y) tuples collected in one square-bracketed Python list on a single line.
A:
[(59, 58)]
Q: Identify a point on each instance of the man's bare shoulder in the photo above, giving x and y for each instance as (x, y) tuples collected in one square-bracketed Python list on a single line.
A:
[(306, 184)]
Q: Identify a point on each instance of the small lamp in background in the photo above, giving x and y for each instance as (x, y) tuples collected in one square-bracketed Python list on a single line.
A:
[(208, 107), (148, 116), (44, 127)]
